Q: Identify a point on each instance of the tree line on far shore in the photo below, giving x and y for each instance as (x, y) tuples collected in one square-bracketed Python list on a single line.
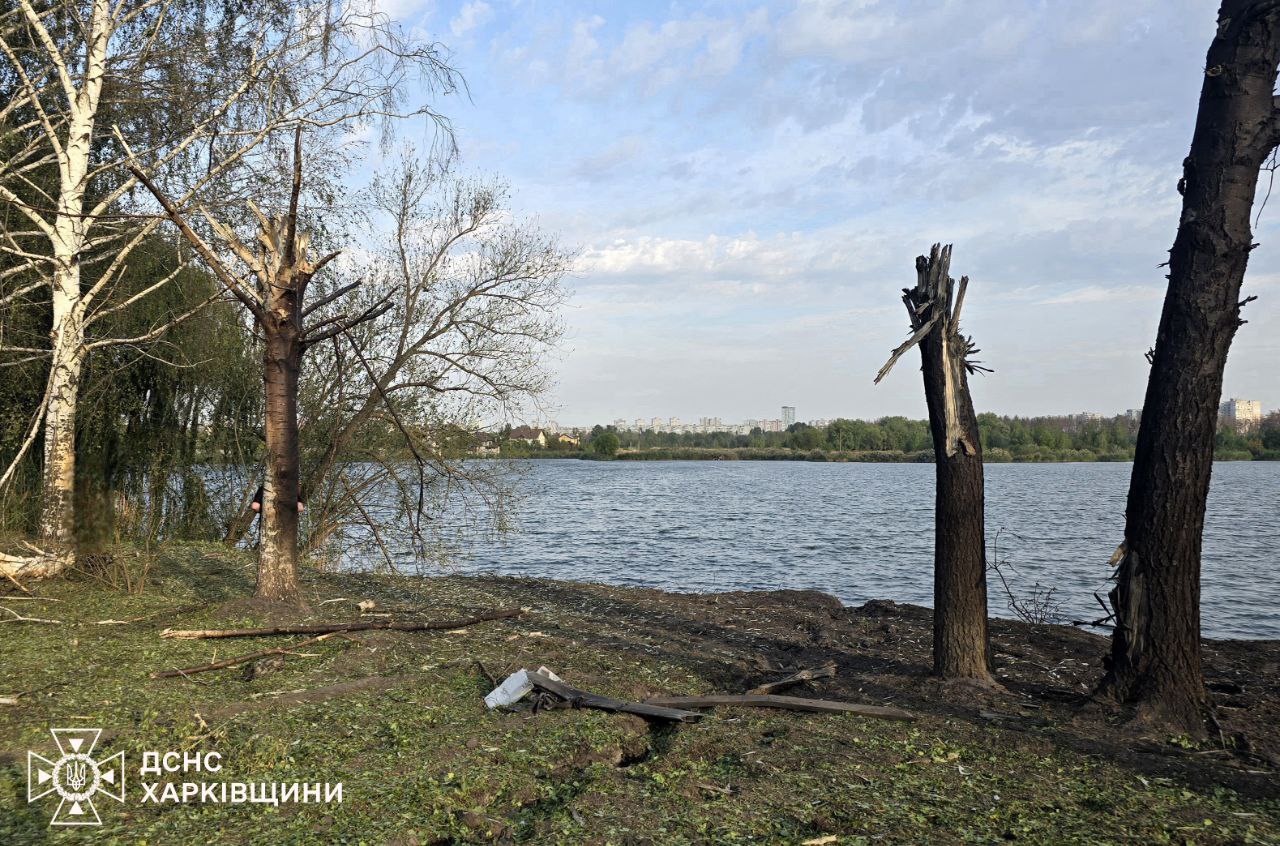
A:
[(1004, 439)]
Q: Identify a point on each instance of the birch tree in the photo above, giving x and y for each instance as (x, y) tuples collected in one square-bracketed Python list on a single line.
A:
[(202, 92)]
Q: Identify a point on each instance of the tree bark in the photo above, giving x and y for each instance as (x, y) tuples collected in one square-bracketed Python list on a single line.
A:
[(960, 645), (278, 553), (67, 236), (1155, 656), (57, 489)]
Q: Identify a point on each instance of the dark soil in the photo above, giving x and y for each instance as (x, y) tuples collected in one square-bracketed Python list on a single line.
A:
[(883, 650)]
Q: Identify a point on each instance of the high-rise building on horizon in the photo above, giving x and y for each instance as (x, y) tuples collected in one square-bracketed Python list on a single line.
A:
[(1241, 414), (788, 416)]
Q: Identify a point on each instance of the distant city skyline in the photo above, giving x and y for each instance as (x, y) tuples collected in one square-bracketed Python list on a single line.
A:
[(1255, 410)]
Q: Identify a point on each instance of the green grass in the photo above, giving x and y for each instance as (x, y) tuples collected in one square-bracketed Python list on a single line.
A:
[(422, 761)]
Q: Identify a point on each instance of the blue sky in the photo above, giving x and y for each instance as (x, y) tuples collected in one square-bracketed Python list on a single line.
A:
[(749, 184)]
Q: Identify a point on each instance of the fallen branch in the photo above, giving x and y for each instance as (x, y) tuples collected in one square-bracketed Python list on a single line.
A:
[(17, 584), (13, 700), (40, 564), (231, 662), (332, 628), (794, 679), (18, 618), (788, 703), (582, 699), (180, 610)]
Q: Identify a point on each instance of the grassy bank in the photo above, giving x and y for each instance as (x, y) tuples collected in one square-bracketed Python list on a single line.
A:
[(398, 719)]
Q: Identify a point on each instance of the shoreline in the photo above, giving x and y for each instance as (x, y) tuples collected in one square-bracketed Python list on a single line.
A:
[(822, 456)]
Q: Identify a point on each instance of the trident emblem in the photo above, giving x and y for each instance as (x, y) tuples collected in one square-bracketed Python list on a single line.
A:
[(76, 777)]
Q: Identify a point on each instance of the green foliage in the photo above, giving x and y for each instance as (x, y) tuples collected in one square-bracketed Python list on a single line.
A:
[(150, 417), (605, 443)]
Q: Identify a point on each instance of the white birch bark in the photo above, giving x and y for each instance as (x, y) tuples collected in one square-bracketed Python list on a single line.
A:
[(67, 337)]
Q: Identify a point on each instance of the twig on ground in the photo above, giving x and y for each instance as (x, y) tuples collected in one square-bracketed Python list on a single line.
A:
[(240, 659), (794, 679), (333, 628), (493, 682), (17, 583), (18, 618), (789, 703)]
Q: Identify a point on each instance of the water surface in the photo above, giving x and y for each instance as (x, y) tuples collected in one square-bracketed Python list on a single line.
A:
[(865, 531)]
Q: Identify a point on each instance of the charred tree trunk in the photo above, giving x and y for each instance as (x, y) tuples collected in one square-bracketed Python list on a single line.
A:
[(1155, 655), (960, 646)]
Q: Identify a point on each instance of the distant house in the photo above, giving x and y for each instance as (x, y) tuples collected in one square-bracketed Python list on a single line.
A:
[(484, 445), (531, 436), (565, 438)]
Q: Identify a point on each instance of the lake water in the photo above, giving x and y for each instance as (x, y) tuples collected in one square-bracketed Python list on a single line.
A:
[(865, 531)]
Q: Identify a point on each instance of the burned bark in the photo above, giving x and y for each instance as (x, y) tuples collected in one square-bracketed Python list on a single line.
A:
[(1155, 657), (960, 644)]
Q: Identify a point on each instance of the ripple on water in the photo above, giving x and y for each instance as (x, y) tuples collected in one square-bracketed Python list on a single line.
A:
[(865, 531)]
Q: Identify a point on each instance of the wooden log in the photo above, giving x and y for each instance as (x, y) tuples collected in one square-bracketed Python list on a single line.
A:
[(240, 659), (794, 679), (584, 699), (331, 628), (787, 703)]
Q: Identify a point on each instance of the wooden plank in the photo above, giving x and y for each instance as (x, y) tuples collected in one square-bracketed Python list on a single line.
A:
[(788, 703), (584, 699)]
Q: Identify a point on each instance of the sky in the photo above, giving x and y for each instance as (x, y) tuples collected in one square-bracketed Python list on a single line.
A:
[(747, 187)]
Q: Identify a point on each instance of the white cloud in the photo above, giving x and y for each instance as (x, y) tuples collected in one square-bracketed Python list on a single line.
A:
[(754, 183), (472, 15), (1100, 294)]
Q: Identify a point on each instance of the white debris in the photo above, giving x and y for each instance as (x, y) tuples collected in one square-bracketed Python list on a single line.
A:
[(515, 687)]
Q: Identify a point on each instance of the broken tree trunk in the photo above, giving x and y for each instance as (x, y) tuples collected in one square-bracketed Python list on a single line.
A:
[(960, 646), (328, 628), (281, 363), (786, 703), (1155, 655), (583, 699), (280, 271)]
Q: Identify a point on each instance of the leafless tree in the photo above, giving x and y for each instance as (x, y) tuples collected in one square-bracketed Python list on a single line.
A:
[(466, 315), (273, 288), (960, 643)]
